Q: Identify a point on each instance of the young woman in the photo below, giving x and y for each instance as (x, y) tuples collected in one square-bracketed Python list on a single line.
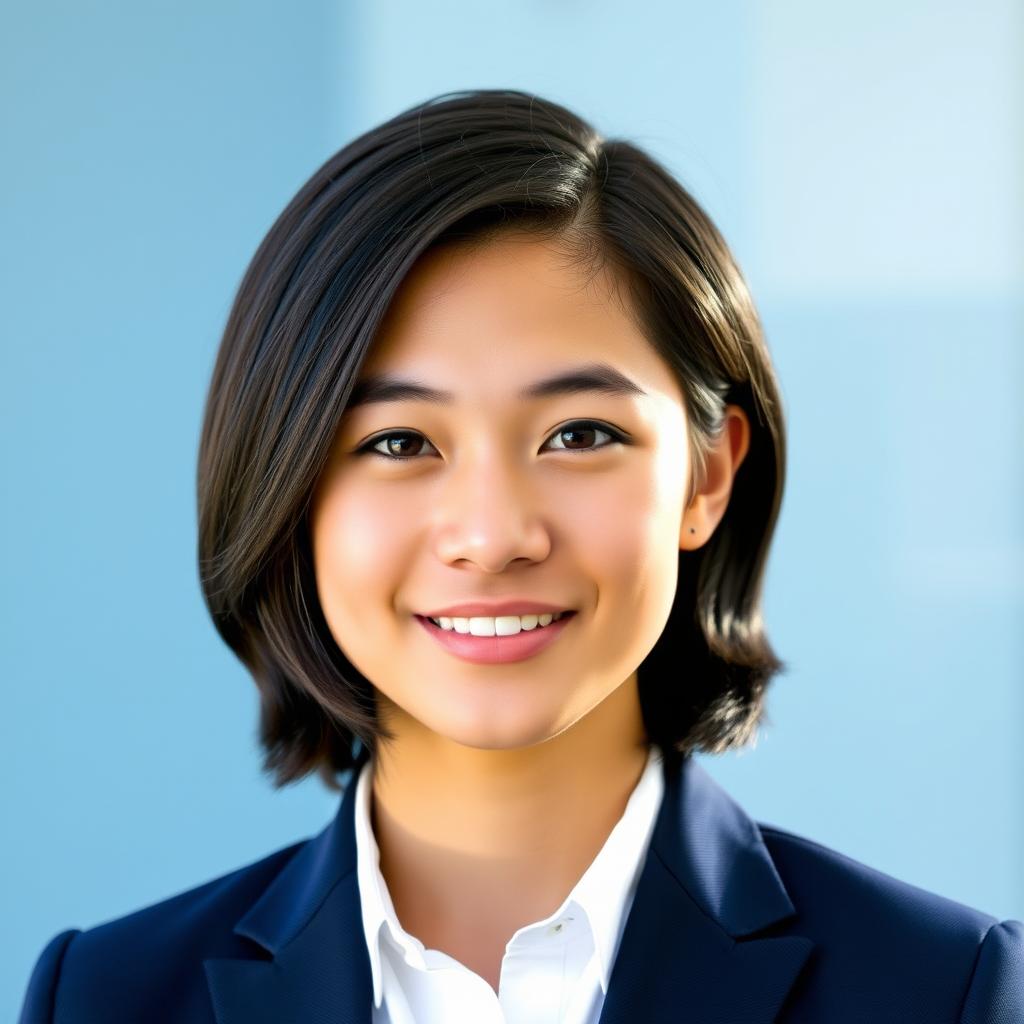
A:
[(491, 462)]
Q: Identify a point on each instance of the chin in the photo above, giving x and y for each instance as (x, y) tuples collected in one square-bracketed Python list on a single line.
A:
[(493, 730)]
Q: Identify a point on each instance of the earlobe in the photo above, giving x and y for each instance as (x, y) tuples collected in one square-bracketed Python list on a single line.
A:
[(724, 458)]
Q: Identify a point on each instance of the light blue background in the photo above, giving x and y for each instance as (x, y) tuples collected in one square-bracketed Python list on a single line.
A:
[(863, 160)]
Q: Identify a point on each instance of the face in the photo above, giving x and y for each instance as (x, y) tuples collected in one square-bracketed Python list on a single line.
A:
[(573, 499)]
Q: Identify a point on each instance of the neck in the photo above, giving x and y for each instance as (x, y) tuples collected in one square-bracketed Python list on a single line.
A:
[(500, 836)]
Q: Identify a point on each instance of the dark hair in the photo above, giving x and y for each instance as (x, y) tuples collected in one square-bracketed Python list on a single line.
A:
[(466, 165)]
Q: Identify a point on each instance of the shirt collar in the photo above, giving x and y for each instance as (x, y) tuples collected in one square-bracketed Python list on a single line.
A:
[(607, 887), (378, 909), (604, 892)]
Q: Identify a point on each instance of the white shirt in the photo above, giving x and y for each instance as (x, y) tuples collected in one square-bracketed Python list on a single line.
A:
[(554, 971)]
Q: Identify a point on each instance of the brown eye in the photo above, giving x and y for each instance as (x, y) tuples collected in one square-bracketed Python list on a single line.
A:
[(582, 433), (577, 437), (396, 445)]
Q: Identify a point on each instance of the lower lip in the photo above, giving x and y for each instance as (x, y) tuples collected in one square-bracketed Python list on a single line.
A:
[(488, 650)]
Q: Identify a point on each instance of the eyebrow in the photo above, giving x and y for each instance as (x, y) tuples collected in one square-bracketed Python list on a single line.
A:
[(592, 377)]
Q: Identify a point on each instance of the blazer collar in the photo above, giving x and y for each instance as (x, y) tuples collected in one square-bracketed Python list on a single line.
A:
[(690, 948)]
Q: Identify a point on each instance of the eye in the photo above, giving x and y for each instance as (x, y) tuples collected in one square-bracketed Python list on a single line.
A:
[(584, 427), (577, 427)]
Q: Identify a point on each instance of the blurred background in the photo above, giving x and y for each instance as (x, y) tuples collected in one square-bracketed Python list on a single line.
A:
[(864, 161)]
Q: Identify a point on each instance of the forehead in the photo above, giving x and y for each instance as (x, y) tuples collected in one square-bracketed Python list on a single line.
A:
[(486, 319)]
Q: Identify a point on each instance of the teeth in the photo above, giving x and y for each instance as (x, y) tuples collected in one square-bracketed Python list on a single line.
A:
[(501, 625)]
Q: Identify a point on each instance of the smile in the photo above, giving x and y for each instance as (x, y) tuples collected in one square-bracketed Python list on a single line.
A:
[(487, 644), (500, 625)]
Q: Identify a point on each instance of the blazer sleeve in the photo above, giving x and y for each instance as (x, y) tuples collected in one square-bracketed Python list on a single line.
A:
[(42, 986), (995, 994)]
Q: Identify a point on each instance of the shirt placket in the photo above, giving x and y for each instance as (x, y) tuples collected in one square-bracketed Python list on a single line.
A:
[(541, 970)]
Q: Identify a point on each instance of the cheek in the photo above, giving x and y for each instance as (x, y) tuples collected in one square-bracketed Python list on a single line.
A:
[(357, 550), (629, 546), (624, 531)]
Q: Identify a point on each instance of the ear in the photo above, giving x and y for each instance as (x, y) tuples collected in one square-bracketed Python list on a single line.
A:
[(709, 502)]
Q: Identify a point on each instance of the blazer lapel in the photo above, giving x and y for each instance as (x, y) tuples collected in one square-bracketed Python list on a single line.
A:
[(689, 951), (309, 919)]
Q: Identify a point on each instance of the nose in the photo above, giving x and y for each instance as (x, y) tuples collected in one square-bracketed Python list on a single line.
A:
[(490, 515)]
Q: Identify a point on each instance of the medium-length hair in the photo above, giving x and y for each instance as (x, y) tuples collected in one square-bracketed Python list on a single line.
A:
[(464, 166)]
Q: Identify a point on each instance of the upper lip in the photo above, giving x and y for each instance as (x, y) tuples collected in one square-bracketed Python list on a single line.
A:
[(515, 606)]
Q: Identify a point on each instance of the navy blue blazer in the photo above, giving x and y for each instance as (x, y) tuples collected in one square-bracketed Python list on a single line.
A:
[(732, 923)]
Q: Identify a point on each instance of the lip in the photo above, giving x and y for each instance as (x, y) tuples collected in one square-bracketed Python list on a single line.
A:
[(489, 650), (512, 606)]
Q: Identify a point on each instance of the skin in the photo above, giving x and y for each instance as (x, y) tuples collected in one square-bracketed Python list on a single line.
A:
[(504, 781)]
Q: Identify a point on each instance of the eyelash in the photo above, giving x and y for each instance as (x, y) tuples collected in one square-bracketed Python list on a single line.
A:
[(617, 438)]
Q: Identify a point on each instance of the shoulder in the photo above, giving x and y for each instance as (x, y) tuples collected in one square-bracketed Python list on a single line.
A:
[(867, 924), (819, 879), (110, 971)]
